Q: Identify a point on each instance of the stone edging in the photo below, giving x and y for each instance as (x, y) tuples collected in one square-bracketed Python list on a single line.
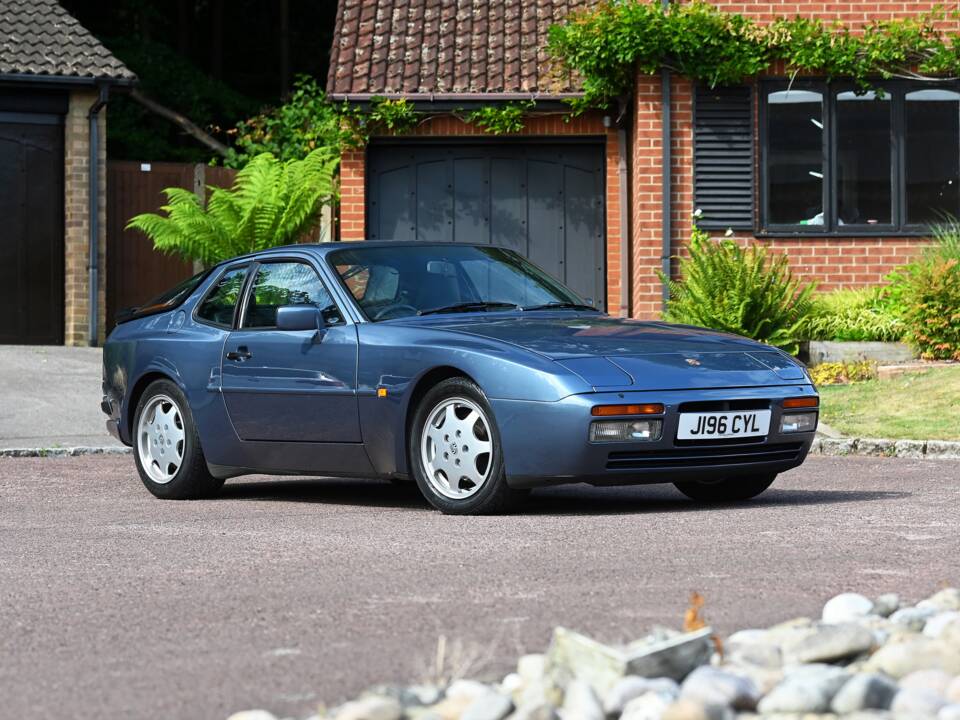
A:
[(880, 447), (65, 451)]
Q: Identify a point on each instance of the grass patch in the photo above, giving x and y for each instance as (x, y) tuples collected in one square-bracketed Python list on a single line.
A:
[(913, 406)]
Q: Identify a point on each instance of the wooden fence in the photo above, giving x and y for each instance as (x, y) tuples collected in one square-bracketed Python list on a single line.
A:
[(135, 271)]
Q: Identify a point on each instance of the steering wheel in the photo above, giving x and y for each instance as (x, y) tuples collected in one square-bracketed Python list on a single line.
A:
[(383, 312)]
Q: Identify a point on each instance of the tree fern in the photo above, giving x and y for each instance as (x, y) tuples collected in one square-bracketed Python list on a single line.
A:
[(271, 203), (739, 290)]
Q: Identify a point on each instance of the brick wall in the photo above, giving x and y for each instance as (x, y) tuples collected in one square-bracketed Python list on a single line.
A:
[(76, 218), (832, 262), (353, 196)]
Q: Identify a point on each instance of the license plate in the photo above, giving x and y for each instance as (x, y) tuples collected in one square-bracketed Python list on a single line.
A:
[(747, 423)]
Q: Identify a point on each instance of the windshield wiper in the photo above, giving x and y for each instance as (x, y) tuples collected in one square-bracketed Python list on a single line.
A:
[(561, 306), (468, 307)]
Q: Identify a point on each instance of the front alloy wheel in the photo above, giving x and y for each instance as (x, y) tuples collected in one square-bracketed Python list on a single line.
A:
[(455, 451)]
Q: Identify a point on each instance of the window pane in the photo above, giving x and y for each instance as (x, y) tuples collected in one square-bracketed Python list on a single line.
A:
[(219, 304), (863, 159), (795, 157), (932, 150), (279, 284)]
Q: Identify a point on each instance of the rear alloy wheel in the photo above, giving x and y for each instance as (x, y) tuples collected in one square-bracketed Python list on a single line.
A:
[(728, 489), (166, 446), (455, 451)]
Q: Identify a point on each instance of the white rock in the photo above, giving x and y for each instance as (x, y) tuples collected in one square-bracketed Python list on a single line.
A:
[(913, 618), (916, 704), (712, 686), (649, 706), (949, 712), (886, 605), (846, 607), (692, 710), (511, 683), (531, 667), (806, 689), (900, 659), (581, 703), (252, 715), (830, 643), (371, 708), (488, 706), (466, 690), (933, 680), (946, 599), (535, 711), (937, 624), (864, 691), (953, 691), (633, 686)]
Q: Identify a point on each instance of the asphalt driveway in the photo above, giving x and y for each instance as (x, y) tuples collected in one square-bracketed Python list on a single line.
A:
[(51, 397), (287, 592)]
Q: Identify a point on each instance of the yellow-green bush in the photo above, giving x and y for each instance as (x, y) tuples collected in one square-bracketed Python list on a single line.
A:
[(841, 373)]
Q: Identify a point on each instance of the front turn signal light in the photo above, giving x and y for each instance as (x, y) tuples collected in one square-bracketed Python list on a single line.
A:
[(801, 402), (644, 409)]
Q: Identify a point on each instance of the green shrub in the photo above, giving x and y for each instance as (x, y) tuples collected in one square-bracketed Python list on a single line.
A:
[(854, 315), (932, 295), (841, 373), (739, 290), (271, 203)]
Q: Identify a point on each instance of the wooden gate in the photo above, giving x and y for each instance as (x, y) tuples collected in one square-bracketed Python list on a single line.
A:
[(135, 271)]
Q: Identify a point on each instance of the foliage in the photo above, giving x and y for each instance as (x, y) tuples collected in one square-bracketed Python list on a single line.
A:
[(271, 203), (309, 120), (916, 406), (605, 45), (933, 308), (854, 315), (134, 133), (739, 290), (841, 373), (501, 119)]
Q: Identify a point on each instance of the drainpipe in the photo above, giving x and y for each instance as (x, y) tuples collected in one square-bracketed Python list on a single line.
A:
[(93, 193), (666, 172), (625, 260)]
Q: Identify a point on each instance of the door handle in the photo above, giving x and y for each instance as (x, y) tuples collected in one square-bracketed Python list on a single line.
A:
[(241, 354)]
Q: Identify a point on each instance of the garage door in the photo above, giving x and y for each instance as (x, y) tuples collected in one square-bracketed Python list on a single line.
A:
[(31, 234), (543, 200)]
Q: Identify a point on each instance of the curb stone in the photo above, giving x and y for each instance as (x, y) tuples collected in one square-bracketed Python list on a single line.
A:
[(884, 447), (65, 451)]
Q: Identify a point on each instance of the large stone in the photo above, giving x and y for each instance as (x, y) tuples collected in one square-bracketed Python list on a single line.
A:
[(916, 704), (252, 715), (531, 667), (936, 681), (649, 706), (691, 710), (953, 691), (949, 712), (866, 691), (831, 643), (712, 686), (580, 702), (575, 656), (913, 618), (807, 689), (900, 659), (937, 624), (886, 604), (371, 708), (488, 706), (946, 599), (846, 607), (943, 449), (634, 686)]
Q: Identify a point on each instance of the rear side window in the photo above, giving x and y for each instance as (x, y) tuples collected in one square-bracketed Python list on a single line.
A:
[(286, 283), (219, 304)]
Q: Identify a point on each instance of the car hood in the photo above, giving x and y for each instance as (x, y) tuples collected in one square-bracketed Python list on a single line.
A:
[(618, 353)]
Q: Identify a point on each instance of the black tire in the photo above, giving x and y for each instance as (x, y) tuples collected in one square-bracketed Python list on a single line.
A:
[(728, 489), (494, 494), (192, 479)]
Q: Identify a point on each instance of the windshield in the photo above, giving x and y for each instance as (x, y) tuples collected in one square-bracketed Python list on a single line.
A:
[(404, 280)]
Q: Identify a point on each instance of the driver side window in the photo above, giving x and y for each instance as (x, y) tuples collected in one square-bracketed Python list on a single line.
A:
[(286, 283)]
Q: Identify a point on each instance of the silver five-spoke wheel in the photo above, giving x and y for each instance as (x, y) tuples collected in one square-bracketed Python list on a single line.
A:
[(160, 439), (456, 448)]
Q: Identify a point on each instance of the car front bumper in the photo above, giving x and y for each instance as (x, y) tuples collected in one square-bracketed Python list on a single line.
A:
[(548, 443)]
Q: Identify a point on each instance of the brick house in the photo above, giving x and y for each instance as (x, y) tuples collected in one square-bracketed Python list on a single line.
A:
[(55, 79), (845, 187)]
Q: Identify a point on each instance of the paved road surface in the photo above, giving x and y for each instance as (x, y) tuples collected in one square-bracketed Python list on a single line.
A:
[(285, 593)]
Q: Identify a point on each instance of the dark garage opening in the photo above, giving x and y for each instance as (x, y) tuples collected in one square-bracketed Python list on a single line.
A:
[(543, 199)]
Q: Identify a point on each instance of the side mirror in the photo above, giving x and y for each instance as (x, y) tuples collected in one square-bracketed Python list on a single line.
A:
[(299, 317)]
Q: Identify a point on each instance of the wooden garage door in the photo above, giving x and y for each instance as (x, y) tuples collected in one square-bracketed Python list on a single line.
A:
[(31, 228), (544, 200)]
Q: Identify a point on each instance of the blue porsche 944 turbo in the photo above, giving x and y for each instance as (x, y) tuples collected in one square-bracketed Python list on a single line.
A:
[(462, 367)]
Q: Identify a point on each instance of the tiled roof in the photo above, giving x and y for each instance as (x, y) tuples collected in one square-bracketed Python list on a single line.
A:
[(38, 37), (446, 47)]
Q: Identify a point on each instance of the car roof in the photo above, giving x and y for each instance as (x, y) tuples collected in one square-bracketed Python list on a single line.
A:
[(327, 247)]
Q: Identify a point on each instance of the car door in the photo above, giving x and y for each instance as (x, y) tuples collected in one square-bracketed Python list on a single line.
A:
[(291, 385)]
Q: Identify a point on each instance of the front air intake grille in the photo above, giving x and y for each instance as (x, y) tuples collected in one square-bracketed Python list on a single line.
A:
[(703, 456)]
